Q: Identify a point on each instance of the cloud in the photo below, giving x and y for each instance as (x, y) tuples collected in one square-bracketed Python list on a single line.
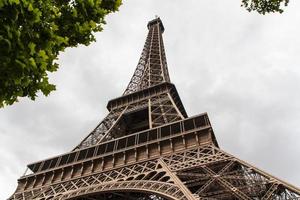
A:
[(240, 67)]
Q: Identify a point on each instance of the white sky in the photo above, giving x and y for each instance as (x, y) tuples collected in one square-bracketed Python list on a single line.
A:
[(240, 67)]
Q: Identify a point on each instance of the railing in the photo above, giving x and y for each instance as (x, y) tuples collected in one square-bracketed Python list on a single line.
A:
[(146, 94), (125, 142)]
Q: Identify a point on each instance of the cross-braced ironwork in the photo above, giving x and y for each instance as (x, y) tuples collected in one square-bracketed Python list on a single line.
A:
[(152, 67), (148, 148)]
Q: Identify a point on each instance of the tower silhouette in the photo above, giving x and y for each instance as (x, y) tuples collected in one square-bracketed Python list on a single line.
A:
[(148, 148)]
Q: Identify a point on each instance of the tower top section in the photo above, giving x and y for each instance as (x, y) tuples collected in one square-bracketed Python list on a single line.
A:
[(155, 22), (152, 67)]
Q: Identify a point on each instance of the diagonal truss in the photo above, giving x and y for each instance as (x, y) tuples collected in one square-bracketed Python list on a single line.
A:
[(162, 108), (219, 175)]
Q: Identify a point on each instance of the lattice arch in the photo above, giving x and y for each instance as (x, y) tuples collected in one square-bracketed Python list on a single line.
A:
[(157, 188), (165, 190), (125, 195)]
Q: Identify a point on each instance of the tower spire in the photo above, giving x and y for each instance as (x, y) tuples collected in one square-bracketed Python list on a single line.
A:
[(152, 66)]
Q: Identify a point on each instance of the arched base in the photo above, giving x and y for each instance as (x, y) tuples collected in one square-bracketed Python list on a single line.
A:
[(125, 195), (146, 190)]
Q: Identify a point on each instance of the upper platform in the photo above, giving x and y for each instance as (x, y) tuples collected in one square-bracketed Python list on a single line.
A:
[(156, 21)]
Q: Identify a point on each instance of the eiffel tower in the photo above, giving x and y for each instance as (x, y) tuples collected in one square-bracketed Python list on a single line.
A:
[(148, 148)]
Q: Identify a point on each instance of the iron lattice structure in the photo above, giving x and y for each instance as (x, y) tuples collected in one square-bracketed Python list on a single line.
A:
[(148, 148)]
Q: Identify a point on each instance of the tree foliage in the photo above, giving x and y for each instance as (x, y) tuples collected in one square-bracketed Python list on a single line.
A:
[(33, 32), (265, 6)]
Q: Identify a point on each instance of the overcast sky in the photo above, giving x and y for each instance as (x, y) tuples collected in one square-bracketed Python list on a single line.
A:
[(241, 68)]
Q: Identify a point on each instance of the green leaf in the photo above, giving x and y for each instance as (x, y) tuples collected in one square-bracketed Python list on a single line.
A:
[(91, 2), (31, 46), (93, 24), (32, 63), (20, 64), (30, 8), (42, 54)]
